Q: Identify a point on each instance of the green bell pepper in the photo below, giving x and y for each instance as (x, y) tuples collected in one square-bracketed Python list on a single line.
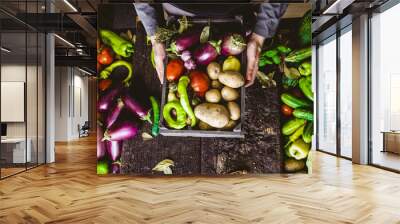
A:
[(184, 98), (298, 149), (105, 74), (305, 68), (180, 121), (119, 45)]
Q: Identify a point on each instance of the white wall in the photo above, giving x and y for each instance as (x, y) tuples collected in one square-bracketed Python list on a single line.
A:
[(71, 94), (33, 127)]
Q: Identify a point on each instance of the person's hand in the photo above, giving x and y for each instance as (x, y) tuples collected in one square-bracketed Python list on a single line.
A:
[(159, 56), (253, 53)]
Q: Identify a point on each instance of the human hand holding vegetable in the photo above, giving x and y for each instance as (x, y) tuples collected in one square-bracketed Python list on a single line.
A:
[(253, 53), (159, 56)]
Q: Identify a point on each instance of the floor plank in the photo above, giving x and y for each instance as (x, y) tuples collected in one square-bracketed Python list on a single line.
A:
[(69, 191)]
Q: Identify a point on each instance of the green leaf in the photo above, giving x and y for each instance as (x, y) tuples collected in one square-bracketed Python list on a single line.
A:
[(164, 166)]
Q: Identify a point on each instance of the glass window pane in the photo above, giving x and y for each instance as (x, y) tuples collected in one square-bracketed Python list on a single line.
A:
[(327, 96), (346, 94), (13, 85), (385, 89)]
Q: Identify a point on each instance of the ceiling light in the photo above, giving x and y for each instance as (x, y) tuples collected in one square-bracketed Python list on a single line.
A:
[(64, 40), (70, 5), (337, 7), (5, 50)]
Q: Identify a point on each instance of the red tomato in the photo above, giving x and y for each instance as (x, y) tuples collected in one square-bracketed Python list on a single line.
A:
[(286, 110), (105, 56), (104, 84), (199, 81), (174, 69)]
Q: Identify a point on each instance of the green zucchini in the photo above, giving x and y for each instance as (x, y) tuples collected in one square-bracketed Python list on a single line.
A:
[(308, 132), (306, 88), (299, 55), (303, 114), (292, 125), (294, 102)]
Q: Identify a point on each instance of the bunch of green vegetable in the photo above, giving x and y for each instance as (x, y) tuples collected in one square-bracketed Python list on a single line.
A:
[(273, 56), (297, 97)]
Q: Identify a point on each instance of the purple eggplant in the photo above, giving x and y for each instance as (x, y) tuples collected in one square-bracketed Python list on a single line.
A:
[(101, 146), (114, 149), (114, 113), (233, 44), (105, 101), (136, 108), (190, 64), (186, 55), (184, 42), (207, 53), (120, 131), (116, 168)]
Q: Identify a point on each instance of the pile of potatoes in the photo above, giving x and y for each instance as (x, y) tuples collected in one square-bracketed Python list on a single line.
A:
[(221, 109)]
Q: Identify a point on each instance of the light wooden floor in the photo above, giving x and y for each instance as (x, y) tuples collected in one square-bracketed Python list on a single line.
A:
[(70, 192)]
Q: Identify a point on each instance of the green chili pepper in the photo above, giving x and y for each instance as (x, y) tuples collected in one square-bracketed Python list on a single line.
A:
[(276, 59), (107, 71), (119, 45), (180, 121), (264, 61), (156, 116), (270, 53), (283, 49), (182, 86), (305, 68)]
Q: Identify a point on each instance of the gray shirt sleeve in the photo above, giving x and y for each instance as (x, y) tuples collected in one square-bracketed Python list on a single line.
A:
[(147, 14), (268, 18)]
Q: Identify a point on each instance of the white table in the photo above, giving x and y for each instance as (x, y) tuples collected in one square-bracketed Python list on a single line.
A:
[(18, 145)]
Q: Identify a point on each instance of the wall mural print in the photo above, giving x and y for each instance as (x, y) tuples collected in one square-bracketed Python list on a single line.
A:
[(179, 92)]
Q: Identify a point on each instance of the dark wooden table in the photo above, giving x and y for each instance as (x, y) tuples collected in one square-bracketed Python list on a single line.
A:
[(259, 152)]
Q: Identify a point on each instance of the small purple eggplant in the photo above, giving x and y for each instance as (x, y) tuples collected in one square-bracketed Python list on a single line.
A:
[(120, 131), (105, 101), (207, 53), (114, 149), (101, 146), (186, 55), (114, 113), (184, 42), (233, 44), (116, 168), (190, 64), (136, 108)]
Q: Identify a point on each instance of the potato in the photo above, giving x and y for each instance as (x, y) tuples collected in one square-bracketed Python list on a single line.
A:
[(229, 94), (213, 70), (231, 78), (234, 110), (215, 84), (215, 115), (213, 96), (204, 126), (231, 124)]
